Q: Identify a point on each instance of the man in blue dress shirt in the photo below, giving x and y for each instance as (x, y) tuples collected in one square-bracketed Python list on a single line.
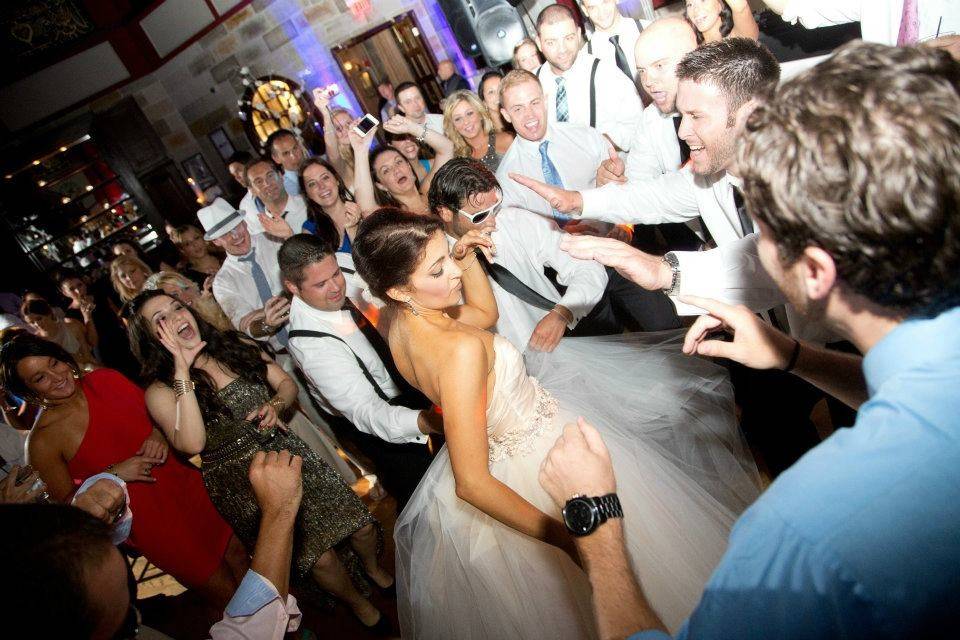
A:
[(851, 173)]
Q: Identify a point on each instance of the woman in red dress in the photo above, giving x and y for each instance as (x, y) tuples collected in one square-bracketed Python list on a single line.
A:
[(99, 422)]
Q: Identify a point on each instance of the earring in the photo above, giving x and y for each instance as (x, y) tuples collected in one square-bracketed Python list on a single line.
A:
[(410, 307)]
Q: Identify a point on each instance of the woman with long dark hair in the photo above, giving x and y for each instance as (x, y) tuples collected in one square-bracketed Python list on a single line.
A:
[(480, 544), (215, 393), (714, 20), (98, 421), (329, 204)]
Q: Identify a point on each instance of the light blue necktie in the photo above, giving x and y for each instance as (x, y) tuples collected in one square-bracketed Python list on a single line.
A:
[(552, 176), (563, 112), (263, 287)]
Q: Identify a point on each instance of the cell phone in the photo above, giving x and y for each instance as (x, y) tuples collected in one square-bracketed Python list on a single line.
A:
[(367, 122)]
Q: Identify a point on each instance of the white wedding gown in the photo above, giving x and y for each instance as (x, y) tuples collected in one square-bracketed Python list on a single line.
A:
[(683, 476)]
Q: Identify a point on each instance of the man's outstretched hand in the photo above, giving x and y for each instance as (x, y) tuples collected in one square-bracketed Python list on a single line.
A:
[(648, 271), (569, 202)]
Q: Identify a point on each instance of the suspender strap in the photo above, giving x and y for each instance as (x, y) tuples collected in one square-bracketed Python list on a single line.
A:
[(306, 333), (639, 26), (590, 45), (593, 92)]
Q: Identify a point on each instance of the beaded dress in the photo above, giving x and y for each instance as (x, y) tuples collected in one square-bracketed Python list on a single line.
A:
[(683, 476), (329, 512)]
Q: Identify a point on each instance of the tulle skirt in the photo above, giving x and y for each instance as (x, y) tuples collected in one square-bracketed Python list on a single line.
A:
[(683, 476)]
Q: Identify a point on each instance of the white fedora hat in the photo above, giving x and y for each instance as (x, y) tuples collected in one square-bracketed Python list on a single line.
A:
[(218, 219)]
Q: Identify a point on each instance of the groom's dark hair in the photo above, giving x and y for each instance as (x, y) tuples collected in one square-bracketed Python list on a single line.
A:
[(299, 252), (456, 181)]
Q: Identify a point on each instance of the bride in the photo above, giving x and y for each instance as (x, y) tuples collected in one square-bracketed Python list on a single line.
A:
[(481, 550)]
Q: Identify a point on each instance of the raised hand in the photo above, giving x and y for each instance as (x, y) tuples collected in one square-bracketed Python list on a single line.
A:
[(613, 169), (755, 343), (321, 100), (277, 311), (560, 199), (275, 225), (353, 215), (471, 239), (86, 308), (276, 481), (183, 357), (648, 271), (155, 446), (103, 500), (136, 468), (400, 124), (358, 142)]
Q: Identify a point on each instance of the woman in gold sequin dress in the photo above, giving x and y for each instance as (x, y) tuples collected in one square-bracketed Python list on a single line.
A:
[(481, 551), (215, 393)]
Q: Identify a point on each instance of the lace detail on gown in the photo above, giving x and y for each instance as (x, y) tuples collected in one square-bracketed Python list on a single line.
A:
[(521, 437)]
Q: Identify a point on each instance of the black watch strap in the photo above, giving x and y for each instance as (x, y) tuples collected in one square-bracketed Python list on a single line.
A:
[(609, 507)]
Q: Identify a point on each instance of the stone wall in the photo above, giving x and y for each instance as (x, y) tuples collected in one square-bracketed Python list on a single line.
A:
[(197, 91)]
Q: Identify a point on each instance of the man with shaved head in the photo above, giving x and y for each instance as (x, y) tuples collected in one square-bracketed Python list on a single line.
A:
[(450, 80)]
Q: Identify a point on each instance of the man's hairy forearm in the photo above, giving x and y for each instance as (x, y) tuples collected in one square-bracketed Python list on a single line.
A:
[(620, 607)]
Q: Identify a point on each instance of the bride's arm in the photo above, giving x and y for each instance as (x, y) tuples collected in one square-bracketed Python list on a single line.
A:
[(463, 398), (479, 308)]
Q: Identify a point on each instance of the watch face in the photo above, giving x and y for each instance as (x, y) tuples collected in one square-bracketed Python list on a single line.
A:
[(580, 516)]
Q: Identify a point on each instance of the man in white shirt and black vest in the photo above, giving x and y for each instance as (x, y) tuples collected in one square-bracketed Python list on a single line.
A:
[(350, 371), (614, 34)]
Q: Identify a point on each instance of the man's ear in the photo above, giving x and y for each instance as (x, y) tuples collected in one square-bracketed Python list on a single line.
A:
[(292, 288), (818, 272), (445, 214), (506, 116)]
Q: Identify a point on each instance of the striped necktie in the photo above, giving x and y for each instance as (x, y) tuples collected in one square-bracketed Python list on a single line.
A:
[(563, 111)]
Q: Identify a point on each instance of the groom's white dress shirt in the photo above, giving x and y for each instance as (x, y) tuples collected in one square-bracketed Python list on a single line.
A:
[(526, 243), (336, 381)]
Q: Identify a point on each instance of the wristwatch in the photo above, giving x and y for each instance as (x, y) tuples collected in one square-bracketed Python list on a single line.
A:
[(671, 261), (582, 515)]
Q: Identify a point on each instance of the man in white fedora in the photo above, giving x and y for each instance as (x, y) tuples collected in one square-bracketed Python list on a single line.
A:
[(248, 288)]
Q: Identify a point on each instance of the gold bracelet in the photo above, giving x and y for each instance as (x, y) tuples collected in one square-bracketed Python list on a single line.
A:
[(278, 404), (183, 387)]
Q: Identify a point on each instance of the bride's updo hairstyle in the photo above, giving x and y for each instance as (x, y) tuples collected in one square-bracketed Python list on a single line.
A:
[(390, 244)]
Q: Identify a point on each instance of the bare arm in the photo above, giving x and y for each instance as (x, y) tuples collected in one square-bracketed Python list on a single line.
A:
[(362, 180), (463, 399), (90, 329), (275, 478), (191, 436), (329, 131), (443, 148), (744, 25), (44, 456), (479, 308)]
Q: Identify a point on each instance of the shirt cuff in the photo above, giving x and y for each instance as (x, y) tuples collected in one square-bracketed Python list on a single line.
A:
[(650, 635), (255, 592), (595, 203), (411, 428)]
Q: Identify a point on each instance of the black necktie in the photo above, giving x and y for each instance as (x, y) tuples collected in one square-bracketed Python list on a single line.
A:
[(620, 56), (377, 342), (514, 285), (746, 224), (684, 147)]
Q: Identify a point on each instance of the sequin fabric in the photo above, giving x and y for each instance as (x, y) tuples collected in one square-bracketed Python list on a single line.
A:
[(329, 512), (520, 440)]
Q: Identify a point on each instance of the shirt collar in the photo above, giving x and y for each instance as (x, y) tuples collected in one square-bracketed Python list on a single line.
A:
[(299, 308), (532, 147), (911, 344)]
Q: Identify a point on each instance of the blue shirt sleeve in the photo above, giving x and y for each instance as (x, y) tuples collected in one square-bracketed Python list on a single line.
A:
[(255, 592)]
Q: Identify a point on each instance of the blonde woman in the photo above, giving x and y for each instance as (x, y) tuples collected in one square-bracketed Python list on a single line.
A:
[(467, 122), (177, 285), (128, 273), (337, 123)]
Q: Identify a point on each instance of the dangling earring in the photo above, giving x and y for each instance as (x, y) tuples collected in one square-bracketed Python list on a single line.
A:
[(410, 307)]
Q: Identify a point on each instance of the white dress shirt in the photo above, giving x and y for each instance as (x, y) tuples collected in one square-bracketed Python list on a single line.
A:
[(576, 151), (618, 104), (248, 207), (599, 45), (435, 122), (234, 287), (526, 243), (655, 149), (879, 19), (294, 212), (336, 380)]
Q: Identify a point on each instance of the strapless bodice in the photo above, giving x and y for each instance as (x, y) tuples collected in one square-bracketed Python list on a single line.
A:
[(519, 408)]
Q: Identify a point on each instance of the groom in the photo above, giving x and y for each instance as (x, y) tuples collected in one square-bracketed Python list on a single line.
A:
[(857, 213), (534, 312)]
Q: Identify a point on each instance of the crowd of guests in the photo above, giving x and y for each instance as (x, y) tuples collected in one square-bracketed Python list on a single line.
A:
[(664, 221)]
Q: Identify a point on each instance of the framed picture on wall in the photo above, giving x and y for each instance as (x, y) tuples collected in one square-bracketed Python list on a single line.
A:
[(196, 167), (222, 142)]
